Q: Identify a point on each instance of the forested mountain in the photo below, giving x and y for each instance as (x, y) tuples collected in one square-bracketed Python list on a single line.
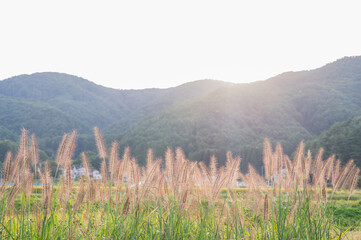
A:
[(168, 98), (53, 103), (203, 117), (291, 107)]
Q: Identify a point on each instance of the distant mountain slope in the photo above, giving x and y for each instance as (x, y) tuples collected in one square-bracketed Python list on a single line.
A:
[(288, 108), (169, 98), (84, 101), (325, 95), (203, 117), (53, 103), (342, 139)]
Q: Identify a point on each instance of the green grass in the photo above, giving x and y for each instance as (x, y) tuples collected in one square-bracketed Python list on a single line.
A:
[(154, 220), (183, 200)]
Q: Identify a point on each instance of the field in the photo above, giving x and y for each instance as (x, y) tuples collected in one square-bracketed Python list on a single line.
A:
[(303, 198)]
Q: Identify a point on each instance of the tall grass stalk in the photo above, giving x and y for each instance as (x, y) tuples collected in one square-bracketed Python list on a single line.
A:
[(185, 200)]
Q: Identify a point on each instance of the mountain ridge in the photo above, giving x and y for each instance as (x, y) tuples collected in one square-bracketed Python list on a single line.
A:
[(203, 117)]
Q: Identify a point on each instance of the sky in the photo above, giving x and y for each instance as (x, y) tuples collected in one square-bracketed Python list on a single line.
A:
[(145, 44)]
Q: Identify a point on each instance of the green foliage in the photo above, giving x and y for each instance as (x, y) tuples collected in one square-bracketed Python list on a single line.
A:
[(6, 146), (348, 216), (342, 139), (287, 108), (203, 117)]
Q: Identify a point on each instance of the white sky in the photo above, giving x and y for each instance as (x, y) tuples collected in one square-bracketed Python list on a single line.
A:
[(142, 44)]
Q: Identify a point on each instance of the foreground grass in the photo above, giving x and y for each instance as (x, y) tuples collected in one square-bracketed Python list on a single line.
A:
[(287, 217), (182, 200)]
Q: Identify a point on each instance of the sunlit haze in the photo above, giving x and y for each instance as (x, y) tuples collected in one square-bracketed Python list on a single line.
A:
[(143, 44)]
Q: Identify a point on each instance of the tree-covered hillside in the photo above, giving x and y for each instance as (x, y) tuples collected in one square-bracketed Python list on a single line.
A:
[(343, 139), (51, 104), (288, 108), (168, 98), (63, 102), (203, 117)]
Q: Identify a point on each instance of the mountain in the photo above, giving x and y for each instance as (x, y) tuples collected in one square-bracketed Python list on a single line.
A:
[(50, 104), (288, 108), (203, 117), (168, 98), (35, 101)]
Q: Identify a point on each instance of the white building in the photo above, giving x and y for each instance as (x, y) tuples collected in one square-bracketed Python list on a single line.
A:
[(81, 171)]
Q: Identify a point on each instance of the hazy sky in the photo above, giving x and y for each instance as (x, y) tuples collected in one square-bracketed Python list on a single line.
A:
[(141, 44)]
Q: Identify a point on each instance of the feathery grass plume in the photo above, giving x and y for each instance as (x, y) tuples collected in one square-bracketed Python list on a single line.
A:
[(134, 177), (47, 187), (229, 160), (218, 184), (330, 167), (342, 174), (321, 175), (206, 172), (100, 143), (86, 165), (213, 166), (348, 177), (22, 158), (61, 150), (92, 191), (7, 173), (25, 147), (34, 151), (169, 166), (184, 179), (103, 172), (254, 179), (116, 170), (113, 159), (336, 172), (191, 172), (150, 159), (289, 166), (47, 169), (299, 155), (318, 161), (200, 183), (16, 172), (69, 149), (232, 173), (67, 180), (136, 171), (182, 171), (308, 163), (179, 159), (303, 170), (279, 159), (267, 157), (119, 174), (10, 198), (28, 184), (324, 191), (19, 163), (148, 182), (353, 184), (80, 194), (124, 165)]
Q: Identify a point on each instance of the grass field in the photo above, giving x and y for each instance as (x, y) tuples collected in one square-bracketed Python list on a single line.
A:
[(305, 198)]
